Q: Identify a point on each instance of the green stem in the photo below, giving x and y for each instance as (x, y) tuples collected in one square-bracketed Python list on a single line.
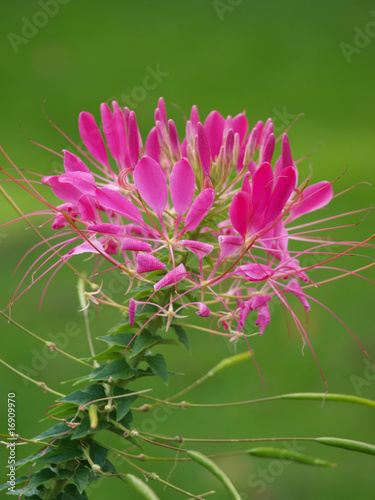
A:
[(42, 385), (49, 344)]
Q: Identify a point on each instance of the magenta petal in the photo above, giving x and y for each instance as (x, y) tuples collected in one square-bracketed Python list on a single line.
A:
[(269, 147), (152, 145), (132, 310), (294, 287), (264, 317), (229, 245), (172, 277), (112, 200), (94, 246), (110, 131), (214, 128), (194, 117), (240, 125), (203, 311), (173, 139), (255, 272), (312, 198), (162, 111), (147, 263), (204, 150), (262, 184), (92, 138), (182, 185), (239, 212), (87, 209), (133, 139), (199, 209), (150, 181), (198, 247), (107, 228), (136, 245), (73, 164), (285, 184)]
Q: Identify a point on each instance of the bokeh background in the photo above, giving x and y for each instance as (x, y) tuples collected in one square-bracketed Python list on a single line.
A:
[(269, 58)]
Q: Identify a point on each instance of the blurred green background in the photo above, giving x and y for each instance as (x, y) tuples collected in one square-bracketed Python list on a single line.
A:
[(270, 58)]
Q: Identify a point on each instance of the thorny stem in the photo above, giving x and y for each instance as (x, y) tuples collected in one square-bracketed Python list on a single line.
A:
[(42, 385)]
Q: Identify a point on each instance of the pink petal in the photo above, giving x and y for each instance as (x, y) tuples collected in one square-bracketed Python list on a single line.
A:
[(73, 164), (267, 151), (107, 228), (181, 185), (152, 145), (132, 310), (246, 188), (264, 317), (136, 245), (214, 127), (87, 208), (150, 181), (93, 247), (204, 311), (173, 139), (312, 198), (112, 200), (199, 209), (198, 247), (172, 277), (147, 263), (161, 108), (294, 287), (240, 125), (229, 245), (255, 272), (133, 139), (285, 184), (239, 212), (110, 131), (204, 150), (262, 184), (92, 138), (119, 120)]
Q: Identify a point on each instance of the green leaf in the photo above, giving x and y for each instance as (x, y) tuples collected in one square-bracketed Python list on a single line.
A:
[(145, 340), (124, 404), (84, 428), (181, 335), (18, 480), (140, 487), (293, 456), (158, 366), (88, 394), (118, 339), (41, 477), (98, 453), (114, 352), (142, 291), (71, 493), (54, 431), (66, 450), (109, 467), (216, 471), (347, 444), (81, 478), (118, 369)]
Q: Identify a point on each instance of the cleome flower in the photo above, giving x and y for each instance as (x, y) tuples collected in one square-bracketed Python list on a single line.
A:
[(210, 214)]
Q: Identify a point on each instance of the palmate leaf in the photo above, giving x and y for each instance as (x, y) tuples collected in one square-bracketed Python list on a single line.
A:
[(98, 453), (71, 492), (56, 430), (80, 476), (90, 393), (66, 450)]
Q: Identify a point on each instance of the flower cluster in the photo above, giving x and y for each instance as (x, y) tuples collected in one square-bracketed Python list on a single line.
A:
[(204, 221)]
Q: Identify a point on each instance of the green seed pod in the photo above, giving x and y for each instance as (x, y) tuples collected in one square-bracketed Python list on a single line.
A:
[(347, 444), (293, 456), (141, 487), (215, 470), (93, 416), (228, 362)]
